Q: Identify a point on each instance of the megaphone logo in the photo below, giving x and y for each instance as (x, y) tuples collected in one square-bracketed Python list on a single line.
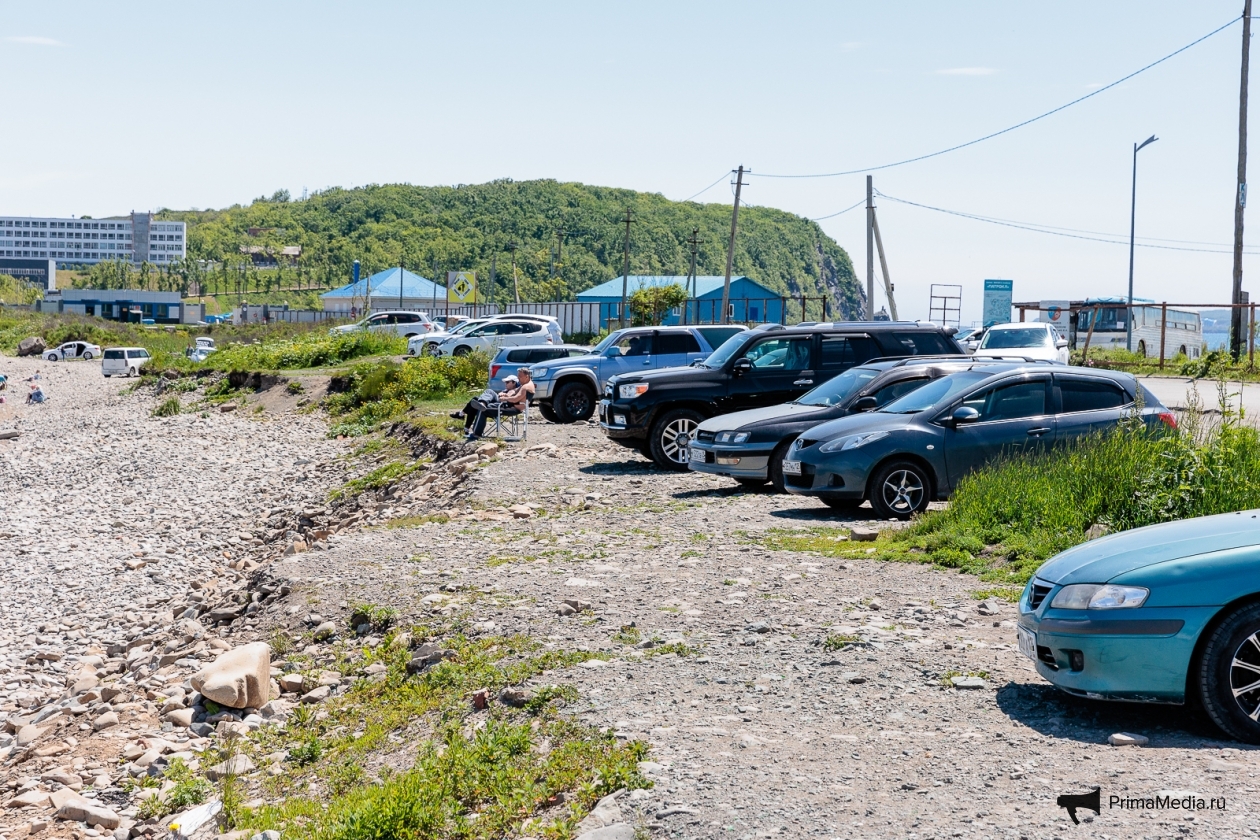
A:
[(1072, 801)]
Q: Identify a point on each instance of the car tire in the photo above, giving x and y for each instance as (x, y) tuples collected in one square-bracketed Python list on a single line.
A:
[(775, 466), (574, 402), (462, 350), (1236, 639), (131, 372), (671, 436), (899, 490), (548, 413), (87, 357)]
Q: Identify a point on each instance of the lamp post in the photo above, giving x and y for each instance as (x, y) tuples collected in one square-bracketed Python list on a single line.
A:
[(1128, 318)]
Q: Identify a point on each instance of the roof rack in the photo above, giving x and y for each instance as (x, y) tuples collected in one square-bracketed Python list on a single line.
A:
[(905, 360), (1014, 358)]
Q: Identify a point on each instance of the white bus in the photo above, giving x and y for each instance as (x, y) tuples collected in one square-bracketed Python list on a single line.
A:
[(1183, 334)]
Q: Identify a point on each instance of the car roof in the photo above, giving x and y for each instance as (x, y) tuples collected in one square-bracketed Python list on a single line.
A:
[(834, 326), (1017, 325), (503, 351)]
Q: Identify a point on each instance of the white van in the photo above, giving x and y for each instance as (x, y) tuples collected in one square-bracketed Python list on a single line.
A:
[(124, 361)]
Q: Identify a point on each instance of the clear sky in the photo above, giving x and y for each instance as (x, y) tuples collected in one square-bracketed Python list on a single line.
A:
[(114, 106)]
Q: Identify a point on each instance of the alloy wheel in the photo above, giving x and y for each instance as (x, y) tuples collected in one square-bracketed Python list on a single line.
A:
[(1244, 676), (902, 491), (676, 439)]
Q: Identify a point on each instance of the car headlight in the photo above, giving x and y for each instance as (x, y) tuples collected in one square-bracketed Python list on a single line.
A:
[(732, 437), (848, 442), (1098, 596), (634, 389), (539, 373)]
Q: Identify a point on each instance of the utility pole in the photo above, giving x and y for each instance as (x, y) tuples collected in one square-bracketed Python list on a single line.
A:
[(730, 249), (870, 248), (400, 284), (516, 289), (694, 240), (625, 273), (883, 264), (1240, 196), (494, 259)]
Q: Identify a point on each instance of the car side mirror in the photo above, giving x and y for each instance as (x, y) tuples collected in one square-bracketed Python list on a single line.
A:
[(1060, 344), (743, 366), (864, 403), (964, 414)]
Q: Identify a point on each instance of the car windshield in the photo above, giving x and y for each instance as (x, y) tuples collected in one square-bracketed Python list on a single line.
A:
[(1016, 338), (608, 340), (936, 392), (723, 354), (460, 329), (838, 388)]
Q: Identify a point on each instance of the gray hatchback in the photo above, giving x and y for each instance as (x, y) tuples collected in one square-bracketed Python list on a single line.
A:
[(917, 448)]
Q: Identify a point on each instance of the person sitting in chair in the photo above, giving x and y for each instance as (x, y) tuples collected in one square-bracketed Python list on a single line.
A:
[(511, 401)]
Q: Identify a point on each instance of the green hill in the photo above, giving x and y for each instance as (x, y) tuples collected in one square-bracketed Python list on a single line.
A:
[(437, 229)]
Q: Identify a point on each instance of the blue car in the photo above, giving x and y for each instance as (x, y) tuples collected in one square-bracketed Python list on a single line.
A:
[(1162, 614), (508, 359)]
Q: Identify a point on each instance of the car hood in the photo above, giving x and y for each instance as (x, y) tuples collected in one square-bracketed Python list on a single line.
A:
[(1098, 561), (590, 360), (739, 419), (672, 374), (1049, 354), (868, 421)]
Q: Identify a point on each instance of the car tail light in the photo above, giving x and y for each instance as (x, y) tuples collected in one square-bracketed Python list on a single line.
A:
[(494, 370), (1170, 420)]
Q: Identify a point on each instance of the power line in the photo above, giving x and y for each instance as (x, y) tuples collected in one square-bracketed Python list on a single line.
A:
[(711, 186), (839, 213), (1046, 229), (1017, 125)]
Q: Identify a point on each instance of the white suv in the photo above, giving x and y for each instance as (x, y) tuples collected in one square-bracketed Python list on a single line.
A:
[(1028, 340), (405, 324), (422, 345), (124, 361), (498, 333)]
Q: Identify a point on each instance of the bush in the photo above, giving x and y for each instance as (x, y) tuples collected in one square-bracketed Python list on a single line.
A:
[(386, 389), (313, 349), (169, 407)]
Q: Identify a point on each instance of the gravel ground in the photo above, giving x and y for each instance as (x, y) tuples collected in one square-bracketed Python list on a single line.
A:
[(757, 728)]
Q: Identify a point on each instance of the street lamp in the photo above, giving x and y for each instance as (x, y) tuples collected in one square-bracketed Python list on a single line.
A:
[(1128, 320)]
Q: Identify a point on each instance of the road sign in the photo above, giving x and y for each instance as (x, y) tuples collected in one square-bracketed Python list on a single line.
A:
[(461, 286), (997, 301)]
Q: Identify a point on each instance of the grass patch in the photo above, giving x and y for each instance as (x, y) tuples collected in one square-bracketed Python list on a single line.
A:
[(1009, 594), (387, 390), (678, 648), (949, 675), (190, 789), (839, 641), (830, 542), (312, 349), (169, 407), (628, 634), (380, 477)]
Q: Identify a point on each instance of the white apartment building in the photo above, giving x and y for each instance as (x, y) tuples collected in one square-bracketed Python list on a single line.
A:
[(137, 238)]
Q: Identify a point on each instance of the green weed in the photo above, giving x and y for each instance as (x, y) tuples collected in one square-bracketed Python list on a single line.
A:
[(169, 407)]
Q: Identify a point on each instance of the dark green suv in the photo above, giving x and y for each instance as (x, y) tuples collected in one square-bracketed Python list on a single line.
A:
[(657, 412)]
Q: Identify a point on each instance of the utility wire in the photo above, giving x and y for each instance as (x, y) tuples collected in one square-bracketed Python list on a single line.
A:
[(1017, 125), (711, 186), (1035, 228), (838, 213)]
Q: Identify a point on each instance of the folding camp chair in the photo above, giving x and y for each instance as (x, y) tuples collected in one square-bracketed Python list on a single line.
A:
[(509, 423)]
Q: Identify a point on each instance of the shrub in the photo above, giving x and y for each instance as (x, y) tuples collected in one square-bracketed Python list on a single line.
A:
[(309, 350), (386, 389), (169, 407)]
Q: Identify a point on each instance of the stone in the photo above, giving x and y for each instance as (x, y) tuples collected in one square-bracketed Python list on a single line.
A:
[(238, 679), (26, 799), (105, 721), (578, 605), (237, 765), (181, 717), (967, 682), (521, 511), (29, 734), (1127, 739), (605, 813), (292, 683), (1097, 530), (232, 729), (860, 534), (317, 695), (989, 606), (325, 631), (80, 809), (617, 831), (481, 698), (565, 610), (226, 407), (515, 697), (32, 346), (296, 547)]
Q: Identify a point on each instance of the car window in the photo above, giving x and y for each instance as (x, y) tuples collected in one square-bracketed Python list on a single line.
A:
[(542, 354), (488, 329), (838, 388), (377, 320), (938, 392), (577, 351), (723, 354), (1090, 395), (113, 354), (633, 345), (780, 354), (676, 342), (896, 390), (608, 341), (1014, 339), (407, 318), (1010, 402), (915, 343), (717, 336), (520, 356), (842, 351)]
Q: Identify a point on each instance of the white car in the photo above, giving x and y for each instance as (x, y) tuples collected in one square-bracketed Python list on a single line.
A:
[(1028, 340), (124, 361), (497, 333), (405, 324), (422, 345), (73, 350)]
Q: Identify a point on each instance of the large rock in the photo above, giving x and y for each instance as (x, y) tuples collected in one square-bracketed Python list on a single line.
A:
[(240, 678), (237, 765), (32, 346), (71, 806)]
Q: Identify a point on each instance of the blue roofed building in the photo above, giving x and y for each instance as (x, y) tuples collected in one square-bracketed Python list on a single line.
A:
[(381, 291), (750, 302)]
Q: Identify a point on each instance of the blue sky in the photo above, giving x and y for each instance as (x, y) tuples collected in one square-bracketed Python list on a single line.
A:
[(120, 106)]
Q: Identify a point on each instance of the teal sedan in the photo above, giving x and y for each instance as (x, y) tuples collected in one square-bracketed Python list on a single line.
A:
[(1168, 613)]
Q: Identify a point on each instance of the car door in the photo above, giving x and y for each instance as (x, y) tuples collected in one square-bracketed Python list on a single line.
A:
[(1015, 415), (676, 348), (527, 332), (632, 353), (380, 323), (776, 369), (1086, 405)]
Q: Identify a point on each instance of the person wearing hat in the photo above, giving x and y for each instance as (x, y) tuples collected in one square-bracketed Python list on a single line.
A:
[(511, 401)]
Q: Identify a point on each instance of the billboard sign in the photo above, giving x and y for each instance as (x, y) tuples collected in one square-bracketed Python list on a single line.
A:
[(461, 286), (997, 301), (1056, 314)]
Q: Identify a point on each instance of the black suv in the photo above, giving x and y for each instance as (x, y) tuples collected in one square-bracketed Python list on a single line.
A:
[(657, 412)]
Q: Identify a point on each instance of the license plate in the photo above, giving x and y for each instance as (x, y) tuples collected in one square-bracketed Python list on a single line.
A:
[(791, 467), (1027, 642), (697, 456)]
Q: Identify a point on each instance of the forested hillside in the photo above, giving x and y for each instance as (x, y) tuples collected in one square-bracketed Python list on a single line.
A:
[(432, 230)]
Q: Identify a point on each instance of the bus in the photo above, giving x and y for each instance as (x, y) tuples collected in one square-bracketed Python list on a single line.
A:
[(1182, 335)]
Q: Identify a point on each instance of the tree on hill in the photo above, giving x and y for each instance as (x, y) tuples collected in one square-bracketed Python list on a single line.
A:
[(432, 230)]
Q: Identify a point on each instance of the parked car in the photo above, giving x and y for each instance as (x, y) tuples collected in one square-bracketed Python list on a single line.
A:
[(495, 334), (918, 447), (657, 412), (510, 358), (1168, 613), (73, 350), (423, 344), (969, 339), (1035, 341), (123, 361), (749, 445), (402, 323), (567, 389)]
